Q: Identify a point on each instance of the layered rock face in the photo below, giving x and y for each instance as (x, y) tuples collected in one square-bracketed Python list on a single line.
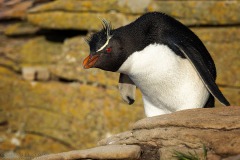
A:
[(206, 133), (49, 104)]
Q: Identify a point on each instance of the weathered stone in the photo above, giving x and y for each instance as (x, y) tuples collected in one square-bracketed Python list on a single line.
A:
[(131, 152), (200, 12), (233, 158), (40, 51), (74, 20), (223, 34), (61, 126), (227, 62), (231, 93), (28, 73), (18, 29), (12, 9), (184, 11), (211, 119), (213, 157), (210, 133), (9, 54), (218, 129), (43, 74), (54, 116), (35, 73), (15, 9)]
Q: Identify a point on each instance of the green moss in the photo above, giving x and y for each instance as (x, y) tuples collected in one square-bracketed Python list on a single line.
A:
[(191, 155)]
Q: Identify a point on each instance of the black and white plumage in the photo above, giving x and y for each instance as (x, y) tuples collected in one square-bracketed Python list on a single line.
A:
[(163, 58)]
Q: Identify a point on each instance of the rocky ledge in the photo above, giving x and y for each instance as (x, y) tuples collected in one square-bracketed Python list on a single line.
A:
[(201, 133)]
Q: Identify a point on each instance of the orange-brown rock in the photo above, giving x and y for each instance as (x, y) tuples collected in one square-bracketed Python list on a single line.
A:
[(212, 133), (217, 129), (59, 104), (46, 117), (130, 152)]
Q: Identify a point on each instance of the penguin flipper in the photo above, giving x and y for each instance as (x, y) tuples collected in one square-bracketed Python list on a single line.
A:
[(210, 102), (127, 88), (196, 60)]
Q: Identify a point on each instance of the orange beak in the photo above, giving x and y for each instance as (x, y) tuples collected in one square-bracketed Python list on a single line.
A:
[(90, 61)]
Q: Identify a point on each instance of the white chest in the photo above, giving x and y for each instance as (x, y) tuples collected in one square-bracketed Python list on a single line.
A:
[(168, 82)]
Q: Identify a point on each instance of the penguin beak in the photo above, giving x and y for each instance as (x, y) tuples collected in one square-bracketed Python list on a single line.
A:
[(90, 61)]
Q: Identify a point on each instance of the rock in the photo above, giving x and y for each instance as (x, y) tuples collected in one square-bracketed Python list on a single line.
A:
[(28, 73), (74, 108), (35, 73), (55, 116), (232, 94), (237, 157), (131, 152), (202, 133), (74, 14), (191, 12), (19, 29), (40, 51), (74, 20), (16, 9), (217, 12), (212, 119), (217, 129)]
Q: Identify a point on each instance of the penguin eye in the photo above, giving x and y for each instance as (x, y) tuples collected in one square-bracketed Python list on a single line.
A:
[(109, 50)]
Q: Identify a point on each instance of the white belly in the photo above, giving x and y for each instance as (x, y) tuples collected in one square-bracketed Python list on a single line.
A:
[(168, 82)]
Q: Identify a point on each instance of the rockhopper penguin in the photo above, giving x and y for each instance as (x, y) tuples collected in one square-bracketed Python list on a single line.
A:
[(163, 58)]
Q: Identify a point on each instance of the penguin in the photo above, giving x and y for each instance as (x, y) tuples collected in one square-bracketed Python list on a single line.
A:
[(160, 56)]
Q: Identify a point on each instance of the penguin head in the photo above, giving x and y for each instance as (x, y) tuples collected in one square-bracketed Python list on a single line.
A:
[(106, 51)]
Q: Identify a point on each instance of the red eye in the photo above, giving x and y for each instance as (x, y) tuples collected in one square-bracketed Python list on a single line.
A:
[(109, 50)]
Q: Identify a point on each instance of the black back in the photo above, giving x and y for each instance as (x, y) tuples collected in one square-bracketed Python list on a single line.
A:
[(160, 28)]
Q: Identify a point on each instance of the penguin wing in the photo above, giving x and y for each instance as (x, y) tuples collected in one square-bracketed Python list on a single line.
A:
[(127, 88), (194, 56)]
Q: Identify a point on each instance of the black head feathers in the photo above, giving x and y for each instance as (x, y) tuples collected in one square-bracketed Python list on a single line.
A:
[(107, 28), (103, 35)]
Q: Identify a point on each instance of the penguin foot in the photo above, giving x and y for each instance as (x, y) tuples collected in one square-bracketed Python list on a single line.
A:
[(130, 100), (127, 92)]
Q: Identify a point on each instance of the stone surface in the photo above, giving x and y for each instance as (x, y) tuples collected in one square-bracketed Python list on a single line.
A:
[(233, 158), (205, 133), (17, 9), (203, 118), (130, 152), (19, 29), (218, 129), (64, 107), (40, 51), (47, 117), (14, 9), (35, 73), (84, 12), (74, 20)]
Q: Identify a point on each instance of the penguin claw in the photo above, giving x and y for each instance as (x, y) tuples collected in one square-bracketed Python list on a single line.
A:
[(127, 92), (130, 100)]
